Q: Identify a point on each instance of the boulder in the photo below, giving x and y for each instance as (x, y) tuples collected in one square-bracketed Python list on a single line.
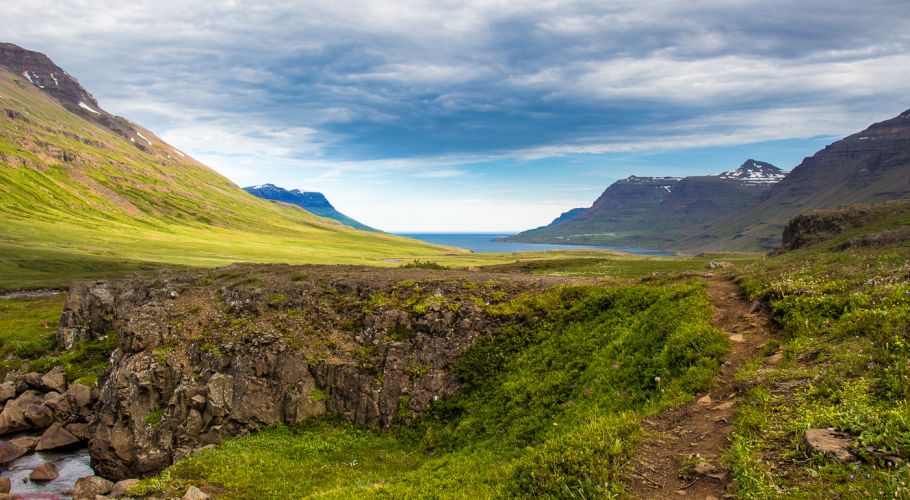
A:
[(81, 431), (830, 442), (27, 443), (7, 391), (40, 416), (194, 493), (80, 395), (56, 437), (33, 380), (44, 472), (90, 486), (120, 487), (5, 485), (13, 418), (54, 380), (9, 452)]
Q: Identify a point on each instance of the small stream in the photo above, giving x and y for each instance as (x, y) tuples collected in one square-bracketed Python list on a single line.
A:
[(72, 465), (32, 293)]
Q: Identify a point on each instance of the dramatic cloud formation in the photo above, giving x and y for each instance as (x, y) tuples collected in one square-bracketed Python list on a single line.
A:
[(535, 104)]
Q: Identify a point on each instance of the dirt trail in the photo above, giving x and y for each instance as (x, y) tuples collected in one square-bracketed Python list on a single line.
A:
[(698, 431)]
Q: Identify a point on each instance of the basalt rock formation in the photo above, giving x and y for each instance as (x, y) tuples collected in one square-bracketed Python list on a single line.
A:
[(820, 225), (202, 356)]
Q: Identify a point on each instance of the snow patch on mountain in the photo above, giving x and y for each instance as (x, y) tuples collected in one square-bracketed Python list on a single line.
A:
[(88, 108), (754, 172)]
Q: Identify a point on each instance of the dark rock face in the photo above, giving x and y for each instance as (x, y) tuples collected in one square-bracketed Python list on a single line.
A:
[(38, 69), (205, 356), (820, 225)]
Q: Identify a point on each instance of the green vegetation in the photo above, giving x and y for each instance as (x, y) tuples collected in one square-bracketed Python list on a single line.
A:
[(551, 409), (423, 264), (105, 207), (27, 329), (844, 317), (154, 418)]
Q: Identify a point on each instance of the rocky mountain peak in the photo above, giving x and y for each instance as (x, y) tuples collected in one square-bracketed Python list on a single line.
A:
[(754, 172), (41, 72)]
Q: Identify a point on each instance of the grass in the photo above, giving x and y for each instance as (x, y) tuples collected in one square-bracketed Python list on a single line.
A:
[(844, 319), (27, 329), (551, 409)]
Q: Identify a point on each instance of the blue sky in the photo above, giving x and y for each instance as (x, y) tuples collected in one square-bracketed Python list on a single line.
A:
[(480, 115)]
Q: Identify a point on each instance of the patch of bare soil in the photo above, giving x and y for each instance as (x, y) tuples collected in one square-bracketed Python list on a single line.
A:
[(684, 447)]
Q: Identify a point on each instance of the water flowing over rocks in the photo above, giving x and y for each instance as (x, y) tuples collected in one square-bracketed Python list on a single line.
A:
[(202, 356)]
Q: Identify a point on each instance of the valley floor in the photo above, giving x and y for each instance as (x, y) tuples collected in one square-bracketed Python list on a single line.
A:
[(609, 396)]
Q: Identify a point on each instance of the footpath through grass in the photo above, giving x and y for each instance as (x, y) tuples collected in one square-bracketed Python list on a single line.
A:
[(550, 409), (845, 319)]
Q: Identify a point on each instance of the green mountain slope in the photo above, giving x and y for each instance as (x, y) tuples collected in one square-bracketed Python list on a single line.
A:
[(83, 193)]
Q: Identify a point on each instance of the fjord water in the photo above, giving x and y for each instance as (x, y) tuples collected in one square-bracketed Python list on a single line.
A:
[(486, 243)]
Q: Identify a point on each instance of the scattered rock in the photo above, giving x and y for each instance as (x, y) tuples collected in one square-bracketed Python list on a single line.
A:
[(88, 487), (44, 472), (776, 358), (7, 391), (9, 452), (27, 443), (119, 489), (830, 442), (80, 395), (719, 265), (80, 431), (13, 418), (5, 484), (194, 493), (56, 437), (33, 380), (737, 338), (40, 416), (755, 306), (703, 468), (54, 380), (706, 399), (725, 406)]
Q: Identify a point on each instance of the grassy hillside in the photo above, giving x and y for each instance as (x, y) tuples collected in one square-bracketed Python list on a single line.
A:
[(76, 199), (844, 310)]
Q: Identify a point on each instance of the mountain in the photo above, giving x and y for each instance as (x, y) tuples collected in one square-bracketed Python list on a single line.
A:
[(83, 192), (313, 202), (866, 167), (657, 211)]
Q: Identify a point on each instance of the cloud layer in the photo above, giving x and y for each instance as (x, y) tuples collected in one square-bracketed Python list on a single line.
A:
[(288, 91)]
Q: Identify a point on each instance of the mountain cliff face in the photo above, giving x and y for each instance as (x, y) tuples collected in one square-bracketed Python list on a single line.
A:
[(655, 211), (867, 167), (313, 202)]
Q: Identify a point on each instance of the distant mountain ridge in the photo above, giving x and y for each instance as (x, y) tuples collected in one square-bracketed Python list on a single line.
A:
[(870, 166), (311, 201), (653, 211)]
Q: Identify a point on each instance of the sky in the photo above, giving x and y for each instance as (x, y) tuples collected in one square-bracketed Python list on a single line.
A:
[(479, 115)]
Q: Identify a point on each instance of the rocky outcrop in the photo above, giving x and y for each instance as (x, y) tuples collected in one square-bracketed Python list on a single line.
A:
[(821, 225), (205, 356)]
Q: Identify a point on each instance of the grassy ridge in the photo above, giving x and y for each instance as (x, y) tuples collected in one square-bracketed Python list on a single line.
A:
[(550, 409), (76, 199)]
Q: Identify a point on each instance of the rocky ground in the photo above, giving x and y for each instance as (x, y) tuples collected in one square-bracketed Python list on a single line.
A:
[(206, 355)]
